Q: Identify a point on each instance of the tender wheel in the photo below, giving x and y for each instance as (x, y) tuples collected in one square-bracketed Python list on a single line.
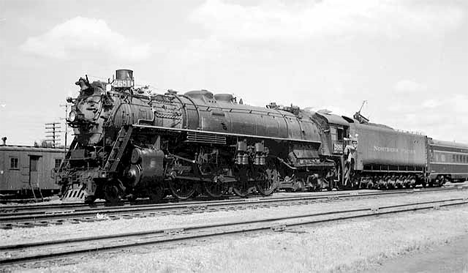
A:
[(182, 189), (215, 190), (267, 180)]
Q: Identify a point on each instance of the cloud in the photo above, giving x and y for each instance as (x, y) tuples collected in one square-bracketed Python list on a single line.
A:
[(409, 86), (82, 35), (275, 20), (438, 117), (431, 103)]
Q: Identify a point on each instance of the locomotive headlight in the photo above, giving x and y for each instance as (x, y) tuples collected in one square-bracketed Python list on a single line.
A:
[(72, 116)]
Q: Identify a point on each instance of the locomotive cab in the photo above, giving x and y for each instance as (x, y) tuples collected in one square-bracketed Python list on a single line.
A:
[(335, 131)]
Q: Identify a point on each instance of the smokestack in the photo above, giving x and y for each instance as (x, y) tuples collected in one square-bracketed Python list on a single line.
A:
[(4, 140), (124, 74)]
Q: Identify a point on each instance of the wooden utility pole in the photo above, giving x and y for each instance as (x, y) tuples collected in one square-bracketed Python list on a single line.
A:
[(66, 125)]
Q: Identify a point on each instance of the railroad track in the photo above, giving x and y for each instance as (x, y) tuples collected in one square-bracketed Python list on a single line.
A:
[(44, 208), (39, 251), (59, 215)]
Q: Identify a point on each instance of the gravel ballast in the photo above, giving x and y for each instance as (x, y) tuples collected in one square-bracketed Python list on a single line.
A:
[(338, 247)]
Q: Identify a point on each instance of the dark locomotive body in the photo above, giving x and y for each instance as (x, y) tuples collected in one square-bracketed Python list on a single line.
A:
[(130, 144), (387, 158)]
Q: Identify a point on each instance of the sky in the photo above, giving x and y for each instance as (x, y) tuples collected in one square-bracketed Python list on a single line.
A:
[(408, 59)]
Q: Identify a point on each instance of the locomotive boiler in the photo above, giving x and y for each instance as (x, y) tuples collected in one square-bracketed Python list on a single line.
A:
[(130, 143)]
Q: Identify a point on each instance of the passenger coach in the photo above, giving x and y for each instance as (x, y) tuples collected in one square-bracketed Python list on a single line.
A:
[(448, 161)]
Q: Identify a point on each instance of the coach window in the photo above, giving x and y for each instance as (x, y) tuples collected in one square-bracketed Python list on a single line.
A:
[(14, 163), (442, 157)]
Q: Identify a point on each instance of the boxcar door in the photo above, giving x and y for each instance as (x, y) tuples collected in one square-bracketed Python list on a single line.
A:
[(34, 161)]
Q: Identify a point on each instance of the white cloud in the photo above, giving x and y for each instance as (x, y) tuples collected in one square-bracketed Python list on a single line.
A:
[(409, 86), (440, 118), (431, 103), (295, 22), (199, 50), (459, 103), (83, 35)]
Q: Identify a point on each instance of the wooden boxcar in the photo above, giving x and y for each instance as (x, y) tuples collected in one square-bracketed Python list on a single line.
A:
[(26, 168)]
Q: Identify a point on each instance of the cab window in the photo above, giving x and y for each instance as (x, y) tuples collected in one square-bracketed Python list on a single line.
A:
[(334, 135), (340, 134)]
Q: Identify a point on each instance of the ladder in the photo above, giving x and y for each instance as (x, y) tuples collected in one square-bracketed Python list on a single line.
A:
[(118, 149), (65, 161)]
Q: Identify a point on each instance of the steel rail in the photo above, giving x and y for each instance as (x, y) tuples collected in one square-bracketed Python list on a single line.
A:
[(43, 208), (10, 221), (242, 227)]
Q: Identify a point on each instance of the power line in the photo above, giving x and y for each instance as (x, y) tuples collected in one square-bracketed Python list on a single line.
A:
[(54, 130)]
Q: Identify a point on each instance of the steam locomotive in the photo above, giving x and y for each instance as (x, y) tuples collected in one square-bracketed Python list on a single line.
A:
[(130, 143)]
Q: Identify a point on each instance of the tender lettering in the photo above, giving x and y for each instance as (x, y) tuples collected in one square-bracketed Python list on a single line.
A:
[(393, 150)]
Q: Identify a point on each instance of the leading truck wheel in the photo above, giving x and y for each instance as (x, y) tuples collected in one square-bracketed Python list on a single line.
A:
[(111, 194), (157, 194), (90, 199)]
